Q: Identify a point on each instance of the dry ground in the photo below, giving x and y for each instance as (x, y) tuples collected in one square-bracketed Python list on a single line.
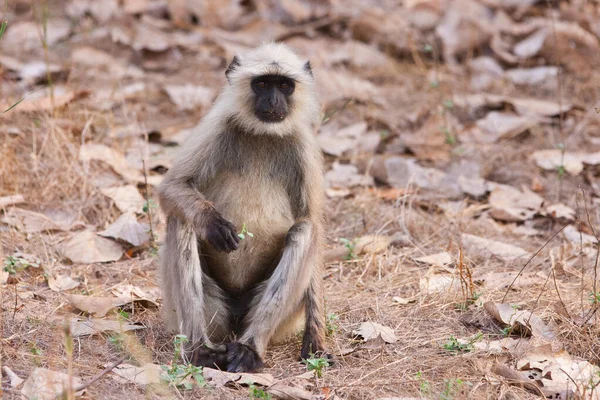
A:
[(39, 159)]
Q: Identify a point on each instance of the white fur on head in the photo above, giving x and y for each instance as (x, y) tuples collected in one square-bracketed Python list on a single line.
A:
[(270, 59)]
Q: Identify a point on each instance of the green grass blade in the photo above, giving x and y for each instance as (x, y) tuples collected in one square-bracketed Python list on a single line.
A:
[(3, 26), (17, 103)]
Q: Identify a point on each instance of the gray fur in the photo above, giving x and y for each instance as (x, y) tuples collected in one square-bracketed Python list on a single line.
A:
[(248, 172)]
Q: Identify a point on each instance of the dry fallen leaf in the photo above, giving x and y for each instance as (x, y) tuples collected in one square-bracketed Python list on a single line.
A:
[(399, 172), (478, 246), (116, 160), (11, 200), (218, 378), (146, 374), (30, 221), (189, 97), (85, 327), (372, 244), (336, 141), (576, 237), (572, 162), (127, 228), (510, 204), (98, 306), (371, 330), (61, 283), (524, 322), (561, 211), (151, 294), (87, 247), (441, 259), (346, 176), (15, 380), (127, 198), (502, 125), (44, 384)]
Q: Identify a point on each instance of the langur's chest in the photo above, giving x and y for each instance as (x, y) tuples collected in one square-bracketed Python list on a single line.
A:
[(260, 174)]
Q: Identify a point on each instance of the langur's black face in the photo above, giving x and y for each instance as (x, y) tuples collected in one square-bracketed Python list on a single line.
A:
[(273, 97)]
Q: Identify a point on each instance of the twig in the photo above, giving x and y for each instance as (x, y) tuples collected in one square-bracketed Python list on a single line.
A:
[(148, 203), (528, 261), (556, 286), (309, 26), (560, 106), (589, 221), (377, 370), (99, 376)]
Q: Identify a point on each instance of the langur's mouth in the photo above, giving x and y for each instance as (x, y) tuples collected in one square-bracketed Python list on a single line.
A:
[(271, 117)]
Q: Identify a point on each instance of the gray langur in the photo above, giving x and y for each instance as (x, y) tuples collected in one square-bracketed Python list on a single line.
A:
[(253, 160)]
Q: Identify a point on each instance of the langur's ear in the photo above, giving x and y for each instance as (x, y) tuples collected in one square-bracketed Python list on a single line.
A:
[(232, 66), (308, 68)]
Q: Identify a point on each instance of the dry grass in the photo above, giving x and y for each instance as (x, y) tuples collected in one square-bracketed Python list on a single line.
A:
[(41, 162)]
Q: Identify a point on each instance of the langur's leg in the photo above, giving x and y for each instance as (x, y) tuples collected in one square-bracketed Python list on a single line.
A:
[(313, 341), (191, 299), (276, 299)]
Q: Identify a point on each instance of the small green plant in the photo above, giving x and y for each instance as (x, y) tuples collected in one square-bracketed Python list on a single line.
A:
[(123, 314), (455, 346), (258, 393), (384, 134), (507, 331), (244, 232), (450, 138), (424, 385), (449, 104), (332, 323), (148, 206), (178, 375), (594, 298), (316, 364), (117, 341), (452, 387), (3, 26), (13, 264), (350, 245)]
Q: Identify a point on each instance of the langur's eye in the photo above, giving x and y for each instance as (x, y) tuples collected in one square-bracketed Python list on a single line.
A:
[(284, 86), (261, 85)]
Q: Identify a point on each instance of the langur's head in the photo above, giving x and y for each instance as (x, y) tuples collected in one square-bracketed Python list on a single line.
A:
[(272, 90)]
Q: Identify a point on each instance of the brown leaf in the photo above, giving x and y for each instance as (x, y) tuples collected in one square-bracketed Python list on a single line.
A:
[(44, 384), (371, 330), (31, 221), (503, 125), (372, 244), (440, 259), (151, 294), (86, 247), (510, 204), (116, 160), (128, 229), (482, 247), (59, 283), (221, 378), (11, 200), (86, 327), (520, 320), (190, 97), (15, 380), (98, 306), (127, 198), (346, 176), (336, 141), (146, 374)]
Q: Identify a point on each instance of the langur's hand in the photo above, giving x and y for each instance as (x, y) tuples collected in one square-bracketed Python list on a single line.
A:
[(220, 233)]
